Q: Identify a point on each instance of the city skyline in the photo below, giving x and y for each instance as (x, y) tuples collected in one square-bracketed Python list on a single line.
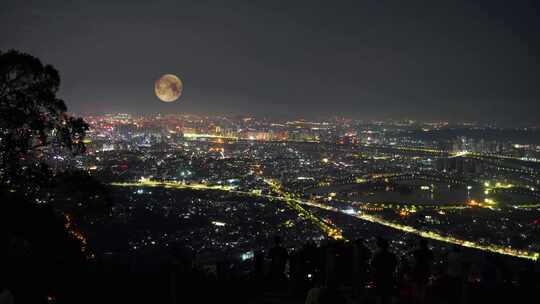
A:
[(443, 123), (366, 60)]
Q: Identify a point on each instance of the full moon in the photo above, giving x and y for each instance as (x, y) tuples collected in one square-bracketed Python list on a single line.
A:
[(168, 88)]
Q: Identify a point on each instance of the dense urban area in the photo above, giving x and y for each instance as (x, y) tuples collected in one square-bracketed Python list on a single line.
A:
[(229, 184)]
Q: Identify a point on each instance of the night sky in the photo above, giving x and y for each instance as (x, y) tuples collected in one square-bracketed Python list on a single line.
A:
[(379, 59)]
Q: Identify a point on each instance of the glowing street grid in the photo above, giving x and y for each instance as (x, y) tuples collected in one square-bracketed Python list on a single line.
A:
[(331, 231)]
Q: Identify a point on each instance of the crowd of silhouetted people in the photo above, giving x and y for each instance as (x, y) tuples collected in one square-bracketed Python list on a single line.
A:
[(350, 272), (330, 272)]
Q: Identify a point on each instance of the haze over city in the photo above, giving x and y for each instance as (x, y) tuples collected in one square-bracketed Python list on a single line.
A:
[(421, 60)]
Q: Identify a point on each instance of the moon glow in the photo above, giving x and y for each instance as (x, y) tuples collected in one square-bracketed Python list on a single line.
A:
[(168, 88)]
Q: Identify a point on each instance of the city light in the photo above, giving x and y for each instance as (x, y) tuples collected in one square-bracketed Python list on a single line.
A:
[(336, 233)]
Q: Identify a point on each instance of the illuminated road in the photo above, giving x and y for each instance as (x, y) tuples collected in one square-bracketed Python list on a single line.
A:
[(328, 228), (457, 154), (335, 232), (433, 235), (194, 136)]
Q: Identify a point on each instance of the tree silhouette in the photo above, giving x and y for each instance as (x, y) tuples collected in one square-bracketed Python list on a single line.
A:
[(39, 256), (33, 121)]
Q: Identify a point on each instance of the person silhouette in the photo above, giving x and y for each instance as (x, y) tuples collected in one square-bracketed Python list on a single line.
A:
[(278, 260), (258, 266), (384, 265), (361, 256), (423, 258), (454, 271)]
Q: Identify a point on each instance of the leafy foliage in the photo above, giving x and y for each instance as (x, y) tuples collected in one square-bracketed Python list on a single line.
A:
[(43, 255), (33, 121)]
